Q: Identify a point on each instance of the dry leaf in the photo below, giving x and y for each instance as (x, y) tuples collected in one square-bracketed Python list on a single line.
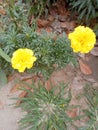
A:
[(72, 25), (68, 25), (61, 7), (64, 24), (50, 18), (12, 77), (23, 94), (53, 11), (17, 86), (48, 29), (62, 18), (72, 113), (48, 85), (85, 69), (2, 11), (42, 23)]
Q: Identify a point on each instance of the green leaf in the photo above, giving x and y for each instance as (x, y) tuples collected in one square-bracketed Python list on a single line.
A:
[(4, 55), (3, 78)]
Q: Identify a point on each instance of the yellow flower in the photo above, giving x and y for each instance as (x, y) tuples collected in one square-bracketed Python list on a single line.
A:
[(82, 39), (22, 59)]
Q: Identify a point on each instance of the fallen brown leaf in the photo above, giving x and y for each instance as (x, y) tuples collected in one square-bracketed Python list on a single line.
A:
[(43, 23), (50, 18), (68, 25), (64, 24), (23, 94), (48, 85), (2, 11), (62, 18), (72, 25), (61, 10), (19, 85), (85, 69), (15, 88), (48, 29), (72, 113)]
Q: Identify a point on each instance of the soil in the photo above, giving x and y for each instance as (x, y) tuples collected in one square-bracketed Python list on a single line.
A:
[(10, 114)]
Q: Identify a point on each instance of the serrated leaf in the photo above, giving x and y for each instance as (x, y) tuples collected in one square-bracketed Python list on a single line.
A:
[(3, 78)]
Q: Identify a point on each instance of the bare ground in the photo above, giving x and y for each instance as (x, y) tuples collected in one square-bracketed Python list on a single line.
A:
[(10, 115)]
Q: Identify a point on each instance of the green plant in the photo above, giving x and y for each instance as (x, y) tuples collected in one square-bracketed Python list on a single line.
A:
[(50, 52), (17, 33), (47, 50), (3, 79), (87, 9), (96, 29), (38, 7), (46, 110), (91, 112), (17, 13)]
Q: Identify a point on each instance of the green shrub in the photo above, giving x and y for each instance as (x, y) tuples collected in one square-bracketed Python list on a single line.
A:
[(47, 50), (87, 9), (38, 7), (17, 33), (47, 110)]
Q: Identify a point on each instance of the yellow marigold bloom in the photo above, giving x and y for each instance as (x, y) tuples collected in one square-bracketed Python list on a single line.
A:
[(82, 39), (22, 59)]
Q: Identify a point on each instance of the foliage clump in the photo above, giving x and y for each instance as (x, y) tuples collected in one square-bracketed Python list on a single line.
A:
[(18, 33), (47, 110), (47, 50), (87, 10)]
